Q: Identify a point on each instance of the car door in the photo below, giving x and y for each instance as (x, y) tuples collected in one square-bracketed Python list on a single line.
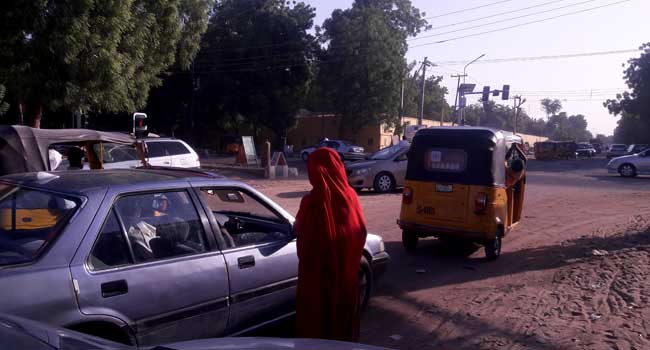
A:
[(152, 265), (157, 154), (643, 162), (180, 155), (399, 167), (260, 252)]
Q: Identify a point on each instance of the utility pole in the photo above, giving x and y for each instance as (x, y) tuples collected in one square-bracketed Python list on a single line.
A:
[(401, 105), (458, 94), (518, 102), (424, 81)]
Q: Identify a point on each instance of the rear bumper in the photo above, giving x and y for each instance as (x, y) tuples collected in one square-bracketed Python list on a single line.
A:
[(379, 264), (427, 231)]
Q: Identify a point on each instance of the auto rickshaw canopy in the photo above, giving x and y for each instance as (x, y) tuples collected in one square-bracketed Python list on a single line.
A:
[(485, 151), (25, 149)]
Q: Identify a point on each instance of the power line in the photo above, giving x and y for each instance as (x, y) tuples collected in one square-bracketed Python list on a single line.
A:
[(503, 20), (539, 58), (467, 9), (497, 14), (519, 25)]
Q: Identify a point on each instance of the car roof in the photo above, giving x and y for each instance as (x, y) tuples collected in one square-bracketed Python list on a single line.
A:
[(83, 181)]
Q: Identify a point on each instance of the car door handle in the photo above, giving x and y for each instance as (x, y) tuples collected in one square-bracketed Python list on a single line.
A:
[(245, 262), (114, 288)]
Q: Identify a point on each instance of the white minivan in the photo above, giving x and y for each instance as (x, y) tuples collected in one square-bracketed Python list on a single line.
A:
[(167, 152)]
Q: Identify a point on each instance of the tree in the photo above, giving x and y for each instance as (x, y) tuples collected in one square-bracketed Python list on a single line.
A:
[(4, 106), (634, 106), (551, 107), (364, 62), (434, 97), (255, 64), (93, 54)]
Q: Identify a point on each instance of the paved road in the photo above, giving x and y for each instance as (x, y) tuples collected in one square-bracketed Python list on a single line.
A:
[(565, 200)]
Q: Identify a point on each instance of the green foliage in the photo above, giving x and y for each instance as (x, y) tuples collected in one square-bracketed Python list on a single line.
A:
[(95, 54), (434, 97), (634, 106), (254, 66), (551, 107), (365, 61), (558, 127)]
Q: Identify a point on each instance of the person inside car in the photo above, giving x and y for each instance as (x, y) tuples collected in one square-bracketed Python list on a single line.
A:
[(75, 157)]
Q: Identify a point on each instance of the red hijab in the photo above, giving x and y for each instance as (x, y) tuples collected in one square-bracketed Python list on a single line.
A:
[(331, 233)]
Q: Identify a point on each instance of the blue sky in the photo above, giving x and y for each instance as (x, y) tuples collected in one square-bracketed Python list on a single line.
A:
[(582, 83)]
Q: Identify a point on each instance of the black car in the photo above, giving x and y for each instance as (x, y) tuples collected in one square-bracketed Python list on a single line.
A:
[(636, 148), (585, 150)]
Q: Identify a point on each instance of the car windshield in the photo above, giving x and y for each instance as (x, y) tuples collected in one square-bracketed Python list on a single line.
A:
[(29, 221), (386, 153)]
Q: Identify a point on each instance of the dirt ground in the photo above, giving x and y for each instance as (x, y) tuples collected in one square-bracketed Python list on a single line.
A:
[(573, 275)]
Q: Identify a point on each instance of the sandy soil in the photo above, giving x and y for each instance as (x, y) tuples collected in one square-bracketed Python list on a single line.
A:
[(574, 275)]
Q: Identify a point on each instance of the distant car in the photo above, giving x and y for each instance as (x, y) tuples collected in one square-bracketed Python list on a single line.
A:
[(383, 170), (585, 150), (636, 148), (346, 150), (151, 256), (598, 147), (616, 150), (631, 165), (21, 333)]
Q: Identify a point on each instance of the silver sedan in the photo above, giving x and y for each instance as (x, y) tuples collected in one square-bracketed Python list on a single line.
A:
[(632, 165), (383, 171)]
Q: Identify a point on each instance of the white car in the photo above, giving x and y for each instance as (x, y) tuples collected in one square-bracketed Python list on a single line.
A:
[(167, 152), (344, 149), (632, 165)]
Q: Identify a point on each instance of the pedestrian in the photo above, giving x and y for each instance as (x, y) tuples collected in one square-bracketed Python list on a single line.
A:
[(75, 157), (331, 233)]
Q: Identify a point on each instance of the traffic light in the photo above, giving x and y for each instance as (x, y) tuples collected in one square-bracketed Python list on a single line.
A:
[(486, 93), (506, 92), (139, 127)]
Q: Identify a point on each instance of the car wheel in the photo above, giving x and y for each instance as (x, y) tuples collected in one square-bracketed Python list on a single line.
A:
[(305, 156), (410, 240), (384, 183), (493, 247), (627, 170), (365, 282)]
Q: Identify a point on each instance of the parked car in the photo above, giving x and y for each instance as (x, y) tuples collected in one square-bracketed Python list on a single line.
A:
[(631, 165), (598, 147), (150, 256), (383, 171), (616, 150), (168, 152), (636, 148), (585, 150), (21, 333), (346, 150)]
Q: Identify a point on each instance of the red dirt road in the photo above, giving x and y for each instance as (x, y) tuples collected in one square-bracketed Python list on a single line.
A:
[(547, 291)]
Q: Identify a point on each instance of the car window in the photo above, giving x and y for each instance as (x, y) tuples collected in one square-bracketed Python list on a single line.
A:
[(333, 145), (29, 221), (111, 152), (243, 220), (445, 159), (156, 149), (111, 248), (402, 157), (175, 148), (161, 225)]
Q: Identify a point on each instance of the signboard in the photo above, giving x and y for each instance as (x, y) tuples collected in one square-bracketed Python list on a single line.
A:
[(249, 150), (278, 159)]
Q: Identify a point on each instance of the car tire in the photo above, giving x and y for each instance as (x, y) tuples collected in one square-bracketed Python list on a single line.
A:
[(365, 283), (493, 247), (305, 156), (627, 170), (384, 183), (410, 240)]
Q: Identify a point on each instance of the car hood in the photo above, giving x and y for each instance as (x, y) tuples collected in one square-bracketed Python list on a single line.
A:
[(623, 158), (361, 164), (267, 344)]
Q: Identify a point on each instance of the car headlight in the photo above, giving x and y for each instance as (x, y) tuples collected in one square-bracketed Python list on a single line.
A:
[(382, 247), (362, 171)]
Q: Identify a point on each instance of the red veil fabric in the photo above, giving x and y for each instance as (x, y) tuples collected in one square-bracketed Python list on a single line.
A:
[(331, 233)]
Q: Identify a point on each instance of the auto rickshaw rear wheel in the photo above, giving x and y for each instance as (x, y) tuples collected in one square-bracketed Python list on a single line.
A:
[(410, 240), (493, 247)]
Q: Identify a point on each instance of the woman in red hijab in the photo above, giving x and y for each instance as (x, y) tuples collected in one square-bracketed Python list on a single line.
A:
[(331, 233)]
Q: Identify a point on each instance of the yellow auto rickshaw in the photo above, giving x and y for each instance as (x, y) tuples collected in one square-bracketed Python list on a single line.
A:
[(462, 183)]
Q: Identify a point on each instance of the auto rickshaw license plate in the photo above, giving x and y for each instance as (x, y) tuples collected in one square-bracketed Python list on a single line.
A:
[(444, 188)]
